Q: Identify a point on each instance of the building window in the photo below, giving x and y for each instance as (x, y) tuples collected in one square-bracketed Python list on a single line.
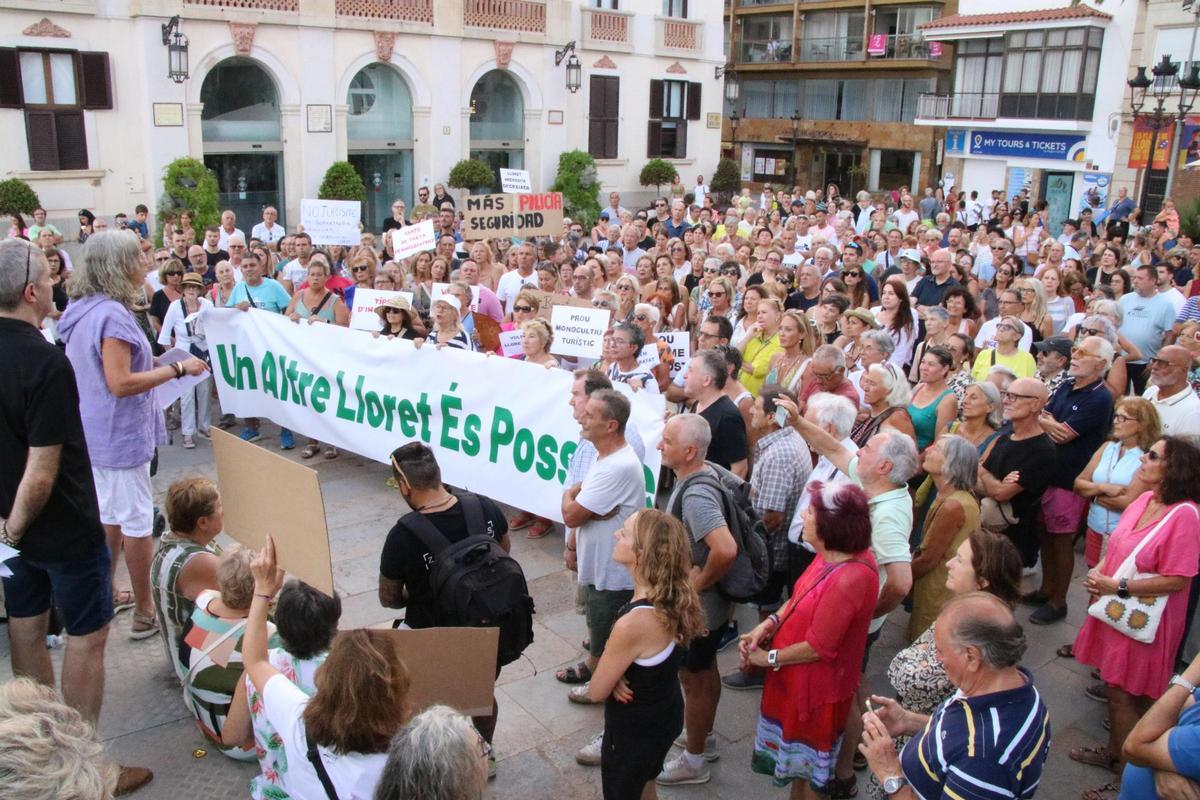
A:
[(833, 36), (675, 8), (772, 165), (672, 105), (876, 99), (1051, 74), (606, 5), (603, 115), (54, 88), (978, 65), (766, 38)]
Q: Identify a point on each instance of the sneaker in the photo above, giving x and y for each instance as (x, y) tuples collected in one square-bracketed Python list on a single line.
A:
[(250, 435), (491, 767), (189, 443), (1047, 614), (1097, 692), (677, 772), (286, 440), (742, 681), (710, 745), (589, 754), (729, 635)]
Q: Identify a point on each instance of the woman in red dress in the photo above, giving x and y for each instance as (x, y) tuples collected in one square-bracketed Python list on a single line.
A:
[(813, 647)]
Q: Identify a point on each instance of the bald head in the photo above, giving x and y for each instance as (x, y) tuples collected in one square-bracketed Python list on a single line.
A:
[(1024, 400), (1169, 370), (982, 621)]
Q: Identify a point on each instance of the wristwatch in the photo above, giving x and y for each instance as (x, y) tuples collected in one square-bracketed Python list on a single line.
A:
[(894, 784), (1123, 588), (773, 659), (1179, 680)]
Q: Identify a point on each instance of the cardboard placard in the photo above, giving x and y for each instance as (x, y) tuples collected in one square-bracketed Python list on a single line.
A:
[(578, 331), (332, 221), (488, 332), (451, 666), (515, 181), (363, 316), (545, 301), (262, 492), (510, 343), (488, 216), (413, 239)]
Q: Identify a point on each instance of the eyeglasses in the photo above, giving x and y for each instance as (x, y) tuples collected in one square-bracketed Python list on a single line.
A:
[(716, 294), (1010, 397), (173, 274), (1004, 326), (523, 309), (1028, 290), (1119, 417), (710, 271)]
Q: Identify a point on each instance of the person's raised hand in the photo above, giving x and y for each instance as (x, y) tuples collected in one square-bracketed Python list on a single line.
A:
[(268, 577)]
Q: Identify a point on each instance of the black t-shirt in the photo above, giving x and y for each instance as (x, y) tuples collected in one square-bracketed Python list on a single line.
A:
[(390, 224), (797, 300), (729, 444), (159, 305), (1034, 458), (213, 258), (39, 407), (406, 559)]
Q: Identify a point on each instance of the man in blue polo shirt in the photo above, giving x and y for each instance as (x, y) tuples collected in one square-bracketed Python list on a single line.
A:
[(1076, 420)]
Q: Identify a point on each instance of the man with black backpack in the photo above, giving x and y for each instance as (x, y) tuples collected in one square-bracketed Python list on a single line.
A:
[(704, 505), (447, 564)]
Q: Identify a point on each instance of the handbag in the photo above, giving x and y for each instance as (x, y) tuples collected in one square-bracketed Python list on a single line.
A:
[(1136, 617), (995, 516)]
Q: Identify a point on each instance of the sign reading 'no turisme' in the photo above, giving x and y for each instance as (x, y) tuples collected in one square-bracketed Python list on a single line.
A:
[(488, 216)]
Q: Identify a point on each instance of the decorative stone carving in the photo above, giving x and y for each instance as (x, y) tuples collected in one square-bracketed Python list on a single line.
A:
[(243, 36), (385, 44), (47, 28), (677, 69), (504, 52), (604, 63)]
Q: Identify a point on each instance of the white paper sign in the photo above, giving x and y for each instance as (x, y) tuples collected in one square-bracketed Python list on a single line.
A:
[(515, 180), (578, 331), (413, 239), (793, 259), (680, 343), (331, 221), (6, 553), (648, 357), (510, 343), (169, 392), (440, 288), (363, 316)]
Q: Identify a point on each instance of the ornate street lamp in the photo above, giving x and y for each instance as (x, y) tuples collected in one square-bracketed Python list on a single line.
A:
[(795, 118), (1160, 88), (574, 67), (177, 50)]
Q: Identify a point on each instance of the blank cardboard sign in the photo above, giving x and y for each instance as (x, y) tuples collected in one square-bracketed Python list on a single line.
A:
[(263, 492), (452, 666)]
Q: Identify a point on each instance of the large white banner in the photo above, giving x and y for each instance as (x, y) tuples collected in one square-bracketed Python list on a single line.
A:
[(500, 427)]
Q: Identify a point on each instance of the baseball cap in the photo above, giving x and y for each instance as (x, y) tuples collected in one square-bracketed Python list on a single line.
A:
[(451, 301), (1057, 344), (911, 254)]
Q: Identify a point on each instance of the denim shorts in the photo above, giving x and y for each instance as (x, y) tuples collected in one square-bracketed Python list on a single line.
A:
[(81, 590)]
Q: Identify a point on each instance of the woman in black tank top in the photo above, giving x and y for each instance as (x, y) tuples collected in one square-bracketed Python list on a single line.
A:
[(637, 677)]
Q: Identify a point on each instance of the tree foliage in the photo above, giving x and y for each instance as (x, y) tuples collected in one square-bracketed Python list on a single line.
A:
[(1189, 218), (580, 187), (342, 182), (17, 197), (471, 174), (727, 178), (188, 184), (656, 173)]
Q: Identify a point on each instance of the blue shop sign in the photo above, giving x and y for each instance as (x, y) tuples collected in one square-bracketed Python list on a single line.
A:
[(956, 141), (1054, 146)]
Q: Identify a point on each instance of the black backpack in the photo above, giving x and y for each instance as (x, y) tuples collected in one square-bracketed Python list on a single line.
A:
[(748, 574), (474, 583)]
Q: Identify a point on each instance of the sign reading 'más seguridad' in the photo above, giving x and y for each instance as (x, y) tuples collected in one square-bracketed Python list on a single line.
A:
[(487, 216), (499, 426), (331, 221)]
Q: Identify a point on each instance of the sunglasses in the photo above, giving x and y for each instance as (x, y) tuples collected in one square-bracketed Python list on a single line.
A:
[(639, 318), (1009, 397), (360, 269), (851, 274), (523, 309), (1154, 455), (173, 274), (1089, 332), (599, 304), (1004, 326), (716, 294)]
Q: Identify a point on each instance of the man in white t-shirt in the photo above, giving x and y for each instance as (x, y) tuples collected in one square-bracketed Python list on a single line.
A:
[(511, 283), (295, 272), (906, 215), (1166, 287), (700, 190), (268, 231), (1171, 394), (228, 228), (1010, 306)]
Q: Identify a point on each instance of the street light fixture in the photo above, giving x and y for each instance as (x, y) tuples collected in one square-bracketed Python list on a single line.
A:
[(1162, 87), (574, 67), (795, 118), (732, 86), (177, 50)]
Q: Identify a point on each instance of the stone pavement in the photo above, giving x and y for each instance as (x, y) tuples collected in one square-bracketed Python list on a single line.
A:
[(144, 722)]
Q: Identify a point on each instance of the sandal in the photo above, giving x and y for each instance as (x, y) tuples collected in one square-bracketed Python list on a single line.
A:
[(1106, 792), (1095, 756), (836, 788), (122, 600), (576, 674), (521, 521), (330, 453), (142, 627), (130, 779), (539, 529), (1066, 651), (310, 450), (579, 694)]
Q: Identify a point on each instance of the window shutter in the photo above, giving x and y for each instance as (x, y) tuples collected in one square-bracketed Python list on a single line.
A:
[(610, 138), (654, 139), (681, 130), (612, 97), (43, 143), (693, 101), (596, 90), (656, 99), (95, 81), (10, 78), (72, 144)]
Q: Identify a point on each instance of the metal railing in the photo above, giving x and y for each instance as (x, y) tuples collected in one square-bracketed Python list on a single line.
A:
[(831, 48), (961, 105), (907, 45), (765, 51)]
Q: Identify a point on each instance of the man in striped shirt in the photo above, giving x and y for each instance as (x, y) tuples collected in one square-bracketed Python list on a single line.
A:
[(990, 739)]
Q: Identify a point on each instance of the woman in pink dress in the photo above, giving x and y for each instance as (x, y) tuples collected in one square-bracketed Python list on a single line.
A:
[(1135, 674)]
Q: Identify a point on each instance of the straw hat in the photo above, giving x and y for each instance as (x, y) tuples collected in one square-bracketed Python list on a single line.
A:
[(398, 304), (192, 279), (863, 316)]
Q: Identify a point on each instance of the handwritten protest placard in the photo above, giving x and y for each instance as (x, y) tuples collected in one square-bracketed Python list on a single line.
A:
[(362, 314), (487, 216), (578, 331), (515, 181), (413, 239), (331, 221)]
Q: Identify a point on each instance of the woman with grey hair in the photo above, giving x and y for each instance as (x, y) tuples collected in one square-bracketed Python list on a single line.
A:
[(886, 395), (116, 373), (982, 414), (953, 464), (438, 755)]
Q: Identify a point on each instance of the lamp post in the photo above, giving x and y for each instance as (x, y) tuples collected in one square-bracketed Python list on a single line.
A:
[(795, 118), (1161, 88), (177, 50), (734, 119), (574, 67)]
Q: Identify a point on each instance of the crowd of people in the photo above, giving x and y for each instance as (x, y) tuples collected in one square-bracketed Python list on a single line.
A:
[(889, 401)]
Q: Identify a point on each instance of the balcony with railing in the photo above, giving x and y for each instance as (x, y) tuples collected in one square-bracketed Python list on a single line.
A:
[(248, 5), (603, 28), (831, 48), (677, 35), (392, 10), (765, 51), (902, 46), (960, 105), (527, 16)]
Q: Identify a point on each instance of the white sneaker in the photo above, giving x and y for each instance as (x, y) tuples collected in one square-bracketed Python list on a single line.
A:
[(710, 745), (589, 754), (676, 772)]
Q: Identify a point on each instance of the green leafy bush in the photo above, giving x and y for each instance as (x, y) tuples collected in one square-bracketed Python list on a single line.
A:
[(16, 197), (342, 182), (188, 184), (656, 173), (1189, 218), (580, 187), (471, 174), (727, 180)]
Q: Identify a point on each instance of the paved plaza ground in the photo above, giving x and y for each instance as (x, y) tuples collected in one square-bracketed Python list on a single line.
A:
[(144, 720)]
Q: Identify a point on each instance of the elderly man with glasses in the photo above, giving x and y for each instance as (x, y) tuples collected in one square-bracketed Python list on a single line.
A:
[(1173, 397), (1010, 305)]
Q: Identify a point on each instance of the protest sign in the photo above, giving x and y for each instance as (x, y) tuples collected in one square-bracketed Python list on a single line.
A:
[(578, 331), (363, 316), (499, 426), (263, 492), (331, 221), (487, 331), (440, 288), (167, 393), (510, 343), (413, 239), (515, 181), (648, 356), (438, 673), (680, 343), (488, 216)]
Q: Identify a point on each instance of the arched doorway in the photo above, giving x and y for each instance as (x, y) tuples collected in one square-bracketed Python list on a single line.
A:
[(379, 123), (243, 142), (498, 123)]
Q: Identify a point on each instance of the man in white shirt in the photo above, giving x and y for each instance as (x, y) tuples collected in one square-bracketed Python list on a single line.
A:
[(615, 209), (700, 191), (511, 283), (835, 415), (1177, 404), (906, 215), (1010, 306), (295, 272), (268, 231), (630, 252), (228, 228), (1166, 287), (974, 211)]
